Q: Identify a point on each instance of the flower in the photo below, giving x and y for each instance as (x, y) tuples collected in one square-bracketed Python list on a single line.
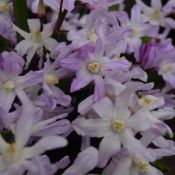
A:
[(115, 125), (36, 40), (156, 14), (92, 67), (10, 81), (16, 156)]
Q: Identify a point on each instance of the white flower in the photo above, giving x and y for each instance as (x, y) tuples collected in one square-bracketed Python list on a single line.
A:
[(36, 40)]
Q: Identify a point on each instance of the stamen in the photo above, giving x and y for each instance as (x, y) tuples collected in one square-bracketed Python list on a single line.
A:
[(94, 67), (51, 79), (4, 6), (91, 35), (118, 125), (8, 86)]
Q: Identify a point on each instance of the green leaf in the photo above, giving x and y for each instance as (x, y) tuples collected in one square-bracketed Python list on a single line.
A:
[(21, 14), (161, 166), (146, 39), (114, 8), (4, 44)]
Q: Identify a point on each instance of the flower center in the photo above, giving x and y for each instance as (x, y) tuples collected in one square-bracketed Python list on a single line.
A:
[(11, 149), (118, 125), (8, 86), (94, 67), (143, 166), (167, 68), (52, 79), (4, 6), (37, 36), (157, 15), (91, 35), (146, 101)]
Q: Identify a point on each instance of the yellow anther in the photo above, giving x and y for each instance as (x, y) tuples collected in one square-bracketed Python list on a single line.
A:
[(91, 35), (157, 15), (8, 86), (118, 125), (167, 68), (146, 101), (94, 67), (143, 166), (4, 6), (51, 79), (37, 36), (11, 149)]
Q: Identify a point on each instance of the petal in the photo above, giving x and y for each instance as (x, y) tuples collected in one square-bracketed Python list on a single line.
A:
[(86, 105), (61, 127), (34, 25), (139, 121), (6, 100), (50, 44), (165, 113), (48, 30), (30, 79), (23, 47), (22, 32), (92, 127), (134, 146), (136, 14), (156, 4), (71, 63), (43, 145), (108, 147), (85, 162), (3, 145), (104, 108), (99, 90), (123, 167), (68, 5), (82, 80)]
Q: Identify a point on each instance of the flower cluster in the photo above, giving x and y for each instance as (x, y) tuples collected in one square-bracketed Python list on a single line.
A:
[(89, 70)]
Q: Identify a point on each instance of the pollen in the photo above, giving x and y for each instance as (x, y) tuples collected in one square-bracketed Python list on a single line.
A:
[(167, 68), (8, 86), (94, 67), (4, 6), (118, 125), (51, 79), (143, 166), (37, 36), (11, 149), (146, 101), (91, 35)]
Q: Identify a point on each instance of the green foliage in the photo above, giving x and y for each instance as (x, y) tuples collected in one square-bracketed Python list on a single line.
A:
[(161, 166), (4, 44), (21, 14)]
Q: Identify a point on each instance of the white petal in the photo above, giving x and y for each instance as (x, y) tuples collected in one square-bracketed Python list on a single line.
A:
[(123, 167), (85, 162), (104, 108), (109, 146), (34, 25), (22, 32), (92, 127), (44, 144)]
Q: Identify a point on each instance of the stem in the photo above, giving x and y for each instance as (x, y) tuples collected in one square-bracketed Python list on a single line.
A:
[(60, 19)]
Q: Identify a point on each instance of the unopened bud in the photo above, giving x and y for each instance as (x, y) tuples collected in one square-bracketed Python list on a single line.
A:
[(41, 9)]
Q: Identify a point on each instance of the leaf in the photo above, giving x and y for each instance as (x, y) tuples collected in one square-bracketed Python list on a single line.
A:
[(4, 44), (161, 166), (21, 14)]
